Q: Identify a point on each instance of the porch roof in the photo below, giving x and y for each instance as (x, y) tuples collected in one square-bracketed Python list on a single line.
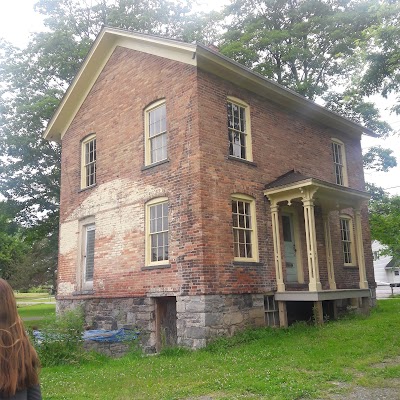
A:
[(292, 185)]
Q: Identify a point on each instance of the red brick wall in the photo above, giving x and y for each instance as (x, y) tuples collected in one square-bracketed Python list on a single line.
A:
[(198, 181), (113, 110), (282, 141)]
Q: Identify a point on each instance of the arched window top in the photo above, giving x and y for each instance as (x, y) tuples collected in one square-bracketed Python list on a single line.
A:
[(156, 200), (89, 136), (154, 104), (243, 196), (238, 101)]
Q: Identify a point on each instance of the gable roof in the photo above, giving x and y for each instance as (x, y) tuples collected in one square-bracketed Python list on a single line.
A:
[(194, 54)]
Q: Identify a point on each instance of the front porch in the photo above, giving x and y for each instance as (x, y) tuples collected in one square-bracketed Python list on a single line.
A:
[(302, 210)]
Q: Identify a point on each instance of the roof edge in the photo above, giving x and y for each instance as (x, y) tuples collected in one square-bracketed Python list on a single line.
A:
[(307, 106)]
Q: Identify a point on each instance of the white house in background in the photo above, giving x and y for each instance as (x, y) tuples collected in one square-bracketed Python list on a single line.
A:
[(384, 266)]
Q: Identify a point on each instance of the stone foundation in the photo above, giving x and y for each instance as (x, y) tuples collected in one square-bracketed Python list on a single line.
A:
[(199, 318), (133, 313), (202, 318)]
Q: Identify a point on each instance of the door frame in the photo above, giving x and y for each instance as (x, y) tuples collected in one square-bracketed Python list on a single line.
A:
[(293, 214)]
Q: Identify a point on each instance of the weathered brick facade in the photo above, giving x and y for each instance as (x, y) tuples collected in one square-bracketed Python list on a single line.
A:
[(214, 295)]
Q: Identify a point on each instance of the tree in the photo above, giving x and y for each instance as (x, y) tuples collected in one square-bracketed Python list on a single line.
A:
[(381, 56), (385, 224), (12, 245), (308, 46), (379, 159), (33, 81)]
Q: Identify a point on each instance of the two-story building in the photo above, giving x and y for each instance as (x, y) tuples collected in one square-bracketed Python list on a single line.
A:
[(199, 197)]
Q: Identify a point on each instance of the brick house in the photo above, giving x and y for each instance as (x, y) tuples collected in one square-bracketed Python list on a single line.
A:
[(198, 197)]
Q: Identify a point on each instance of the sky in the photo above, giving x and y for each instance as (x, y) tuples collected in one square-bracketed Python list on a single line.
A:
[(18, 20)]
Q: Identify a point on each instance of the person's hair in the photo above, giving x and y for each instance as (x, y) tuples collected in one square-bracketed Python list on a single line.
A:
[(19, 362)]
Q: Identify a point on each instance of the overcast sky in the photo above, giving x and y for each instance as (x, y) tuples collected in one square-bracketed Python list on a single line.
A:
[(18, 20)]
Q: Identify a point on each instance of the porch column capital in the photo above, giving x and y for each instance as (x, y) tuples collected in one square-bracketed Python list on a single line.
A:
[(308, 195)]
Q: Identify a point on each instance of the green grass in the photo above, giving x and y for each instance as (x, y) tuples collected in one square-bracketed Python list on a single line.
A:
[(33, 297), (297, 363), (37, 310), (34, 315)]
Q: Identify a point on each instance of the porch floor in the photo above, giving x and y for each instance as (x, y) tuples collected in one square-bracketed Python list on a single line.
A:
[(322, 295)]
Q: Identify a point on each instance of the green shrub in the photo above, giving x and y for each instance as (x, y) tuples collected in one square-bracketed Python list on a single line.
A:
[(60, 341)]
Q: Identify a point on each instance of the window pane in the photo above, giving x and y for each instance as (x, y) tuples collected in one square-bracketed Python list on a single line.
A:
[(89, 254), (242, 250), (159, 232), (236, 130)]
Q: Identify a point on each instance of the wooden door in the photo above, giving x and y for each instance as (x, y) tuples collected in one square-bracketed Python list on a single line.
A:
[(166, 322)]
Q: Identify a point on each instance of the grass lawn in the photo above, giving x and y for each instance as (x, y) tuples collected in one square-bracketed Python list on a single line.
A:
[(33, 297), (33, 315), (296, 363)]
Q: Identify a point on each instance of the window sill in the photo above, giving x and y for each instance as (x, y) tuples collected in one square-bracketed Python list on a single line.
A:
[(242, 160), (83, 292), (151, 267), (144, 168), (354, 266), (87, 188), (247, 263)]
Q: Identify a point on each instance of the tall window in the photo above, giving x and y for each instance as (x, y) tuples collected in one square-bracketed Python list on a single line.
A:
[(347, 236), (339, 162), (244, 228), (239, 129), (88, 253), (157, 232), (88, 162), (156, 132)]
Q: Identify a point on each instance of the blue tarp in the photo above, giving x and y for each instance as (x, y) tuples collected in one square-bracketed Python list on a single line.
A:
[(102, 335), (97, 335)]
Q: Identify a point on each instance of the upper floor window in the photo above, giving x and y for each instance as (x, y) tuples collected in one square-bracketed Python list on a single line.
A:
[(157, 231), (347, 236), (339, 162), (244, 228), (156, 132), (88, 174), (239, 133)]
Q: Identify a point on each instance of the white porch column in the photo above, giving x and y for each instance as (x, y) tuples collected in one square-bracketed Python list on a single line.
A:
[(311, 240), (328, 247), (277, 246), (360, 249)]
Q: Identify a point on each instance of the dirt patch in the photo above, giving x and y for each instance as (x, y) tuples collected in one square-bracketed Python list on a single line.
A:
[(363, 393)]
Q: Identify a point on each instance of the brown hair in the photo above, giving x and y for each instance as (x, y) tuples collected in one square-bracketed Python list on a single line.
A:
[(19, 362)]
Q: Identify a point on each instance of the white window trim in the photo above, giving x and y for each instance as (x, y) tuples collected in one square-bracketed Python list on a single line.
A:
[(352, 240), (344, 161), (83, 225), (249, 147), (86, 140), (148, 262), (254, 234), (147, 140)]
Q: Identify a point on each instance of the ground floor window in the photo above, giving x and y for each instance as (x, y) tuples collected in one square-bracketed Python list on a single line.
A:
[(271, 311), (347, 236)]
